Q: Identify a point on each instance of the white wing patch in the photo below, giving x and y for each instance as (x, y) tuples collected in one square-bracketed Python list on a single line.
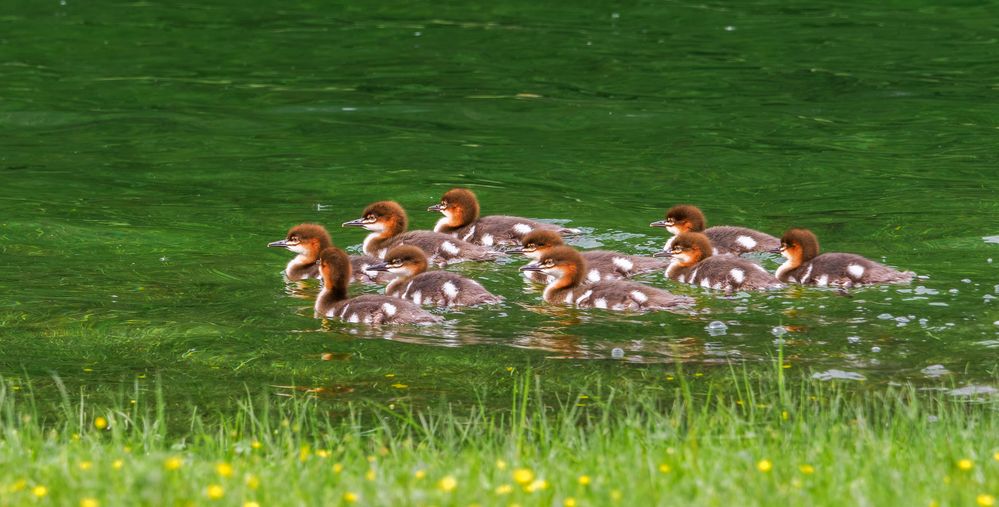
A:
[(624, 264), (682, 279), (522, 229), (450, 248), (568, 298), (389, 309), (487, 239), (354, 318), (471, 232), (746, 242), (600, 303), (586, 295), (856, 271), (706, 282), (822, 281), (418, 297), (450, 290), (737, 275), (593, 275), (639, 296)]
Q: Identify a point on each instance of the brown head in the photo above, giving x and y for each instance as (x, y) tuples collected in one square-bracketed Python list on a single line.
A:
[(799, 245), (682, 218), (334, 265), (405, 260), (689, 248), (562, 262), (307, 239), (538, 242), (460, 207), (382, 216)]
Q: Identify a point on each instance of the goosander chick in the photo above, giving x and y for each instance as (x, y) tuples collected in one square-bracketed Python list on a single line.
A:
[(600, 264), (387, 221), (692, 262), (439, 288), (804, 265), (372, 309), (461, 220), (567, 267), (307, 240), (724, 238)]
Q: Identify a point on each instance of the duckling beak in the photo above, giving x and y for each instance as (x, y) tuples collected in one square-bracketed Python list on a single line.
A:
[(435, 207), (378, 267), (663, 253), (531, 267), (659, 223), (278, 244), (354, 223)]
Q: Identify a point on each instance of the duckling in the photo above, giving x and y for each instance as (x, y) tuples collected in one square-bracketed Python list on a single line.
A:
[(439, 288), (806, 266), (601, 264), (724, 238), (692, 262), (461, 219), (567, 267), (387, 221), (370, 309), (307, 240)]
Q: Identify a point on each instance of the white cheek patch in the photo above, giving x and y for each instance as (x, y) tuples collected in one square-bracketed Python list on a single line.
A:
[(450, 248), (593, 275), (737, 275), (389, 309), (639, 296), (487, 239), (624, 264), (674, 230), (375, 227), (522, 229), (746, 242), (297, 248), (855, 270), (450, 290), (822, 281), (586, 295), (600, 303)]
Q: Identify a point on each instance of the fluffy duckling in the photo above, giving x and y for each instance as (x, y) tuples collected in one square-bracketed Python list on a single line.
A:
[(692, 262), (461, 219), (600, 264), (724, 238), (806, 266), (439, 288), (387, 222), (371, 309), (307, 240), (567, 267)]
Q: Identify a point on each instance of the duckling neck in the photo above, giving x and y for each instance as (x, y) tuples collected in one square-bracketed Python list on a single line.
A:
[(786, 268), (397, 284), (555, 290), (373, 243), (333, 292)]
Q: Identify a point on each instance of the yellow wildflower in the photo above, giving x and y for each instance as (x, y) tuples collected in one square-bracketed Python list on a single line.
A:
[(370, 474), (965, 464), (303, 453), (523, 476), (807, 469), (764, 465), (996, 456), (322, 453), (584, 480), (224, 469), (18, 485), (569, 502), (664, 468), (420, 474), (252, 481), (118, 464), (504, 489), (86, 465), (256, 444), (784, 415), (173, 463), (399, 385), (39, 491), (100, 423), (215, 492), (89, 502), (372, 459), (984, 500), (537, 485), (251, 503), (616, 495), (500, 464), (349, 497), (447, 484), (337, 468)]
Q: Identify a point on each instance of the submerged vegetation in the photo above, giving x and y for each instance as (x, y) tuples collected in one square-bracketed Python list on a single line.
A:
[(760, 440)]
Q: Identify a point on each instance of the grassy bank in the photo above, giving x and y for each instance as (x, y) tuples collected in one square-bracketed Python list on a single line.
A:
[(761, 443)]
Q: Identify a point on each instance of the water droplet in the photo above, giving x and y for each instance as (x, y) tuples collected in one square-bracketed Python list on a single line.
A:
[(966, 280), (886, 316), (875, 349), (617, 353), (716, 328), (729, 28), (778, 331), (853, 339), (935, 370)]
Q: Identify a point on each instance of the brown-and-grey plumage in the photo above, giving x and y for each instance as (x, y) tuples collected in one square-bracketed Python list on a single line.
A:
[(307, 240), (439, 288), (601, 264), (806, 266), (461, 219), (693, 262), (724, 238)]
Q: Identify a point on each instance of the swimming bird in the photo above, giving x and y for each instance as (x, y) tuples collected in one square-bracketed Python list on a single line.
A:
[(724, 238), (461, 219), (692, 262), (307, 240), (439, 288), (567, 267), (805, 265), (387, 221), (601, 264), (371, 309)]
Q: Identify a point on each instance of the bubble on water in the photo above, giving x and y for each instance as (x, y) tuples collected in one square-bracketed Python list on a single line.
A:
[(875, 349), (938, 303), (902, 321), (617, 353), (923, 322), (615, 15), (996, 288), (934, 371), (954, 291), (988, 297), (886, 316), (778, 331), (966, 280), (927, 290), (164, 259), (974, 390), (417, 34), (716, 328), (996, 322), (729, 28), (989, 260), (838, 375), (853, 339)]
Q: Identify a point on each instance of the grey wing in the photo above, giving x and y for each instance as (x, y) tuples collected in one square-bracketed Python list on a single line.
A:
[(740, 240)]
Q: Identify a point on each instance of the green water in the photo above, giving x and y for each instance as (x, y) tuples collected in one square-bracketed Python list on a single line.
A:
[(151, 150)]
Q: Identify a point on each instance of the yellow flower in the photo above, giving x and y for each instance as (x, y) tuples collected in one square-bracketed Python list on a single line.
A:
[(337, 468), (447, 484), (18, 485), (399, 385), (173, 463), (616, 495), (584, 480), (985, 500), (501, 465), (764, 465), (372, 459), (784, 415), (251, 503), (223, 469), (86, 465), (965, 464), (537, 485), (256, 444), (996, 456), (89, 502), (39, 491), (303, 453), (807, 469), (215, 492), (420, 474), (523, 475), (504, 489), (117, 464), (349, 497), (569, 502), (664, 468), (323, 453), (252, 481), (370, 474), (100, 423)]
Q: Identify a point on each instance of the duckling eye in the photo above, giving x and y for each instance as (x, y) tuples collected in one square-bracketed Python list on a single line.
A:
[(443, 204)]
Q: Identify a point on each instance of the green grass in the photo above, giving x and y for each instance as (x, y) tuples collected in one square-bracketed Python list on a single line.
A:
[(638, 443)]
